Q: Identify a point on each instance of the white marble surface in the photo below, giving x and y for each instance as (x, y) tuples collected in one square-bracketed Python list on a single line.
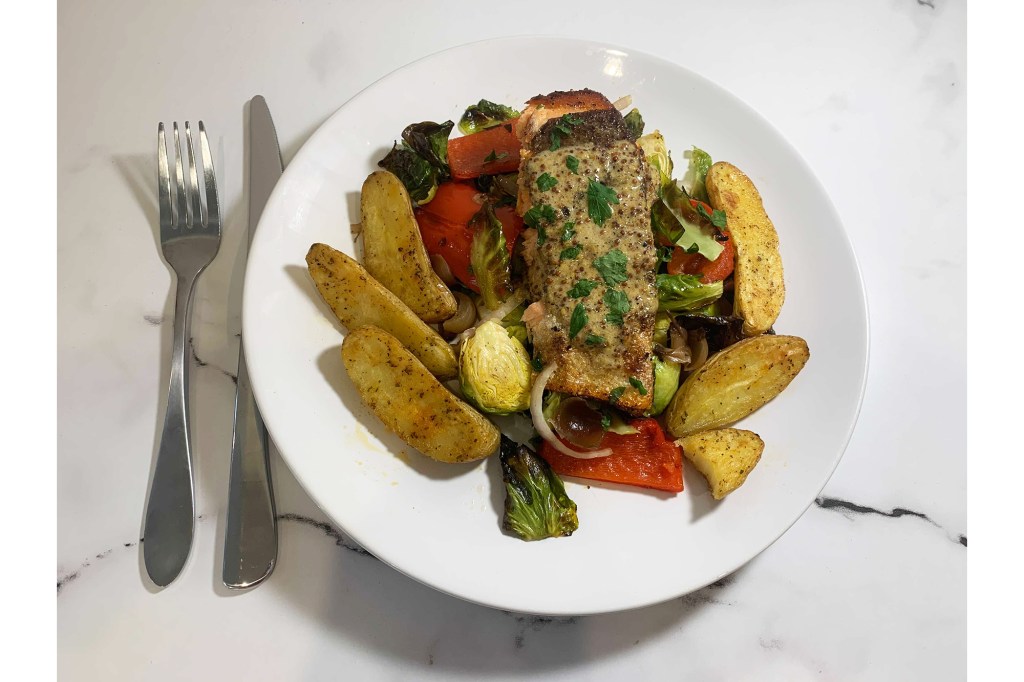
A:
[(869, 588)]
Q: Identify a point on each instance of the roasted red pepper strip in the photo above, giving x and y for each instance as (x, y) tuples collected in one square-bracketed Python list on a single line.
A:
[(645, 459), (489, 152)]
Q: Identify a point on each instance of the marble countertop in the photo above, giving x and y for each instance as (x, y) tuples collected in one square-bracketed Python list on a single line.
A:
[(870, 584)]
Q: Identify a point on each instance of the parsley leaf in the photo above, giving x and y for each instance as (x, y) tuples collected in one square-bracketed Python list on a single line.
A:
[(578, 321), (582, 288), (599, 199), (542, 235), (573, 164), (612, 267), (492, 157), (570, 253), (546, 182), (618, 305), (664, 254), (594, 340), (613, 398), (561, 128), (606, 420), (694, 248), (538, 213), (537, 363), (717, 217), (548, 213), (635, 383), (568, 230)]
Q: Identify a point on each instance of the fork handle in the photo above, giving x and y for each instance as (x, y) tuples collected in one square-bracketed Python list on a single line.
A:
[(170, 513)]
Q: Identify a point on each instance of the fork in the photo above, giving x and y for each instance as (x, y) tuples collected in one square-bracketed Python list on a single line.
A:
[(189, 240)]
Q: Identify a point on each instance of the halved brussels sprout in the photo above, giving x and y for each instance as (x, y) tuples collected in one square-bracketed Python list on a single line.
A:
[(656, 151), (494, 371)]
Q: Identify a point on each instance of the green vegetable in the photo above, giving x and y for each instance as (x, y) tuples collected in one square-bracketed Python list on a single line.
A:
[(494, 371), (572, 163), (666, 382), (545, 182), (562, 128), (415, 172), (615, 394), (568, 230), (612, 267), (664, 254), (578, 320), (594, 340), (662, 322), (638, 385), (536, 214), (536, 505), (492, 157), (430, 140), (599, 200), (514, 326), (537, 363), (484, 115), (612, 420), (634, 123), (682, 223), (582, 288), (552, 400), (656, 151), (618, 305), (700, 162), (488, 256), (683, 293), (571, 252)]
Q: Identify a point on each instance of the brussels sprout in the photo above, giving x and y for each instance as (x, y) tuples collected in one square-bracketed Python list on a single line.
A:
[(666, 382), (536, 506), (415, 172), (494, 371), (488, 256), (656, 151), (484, 115), (682, 293), (430, 140), (700, 162), (634, 123)]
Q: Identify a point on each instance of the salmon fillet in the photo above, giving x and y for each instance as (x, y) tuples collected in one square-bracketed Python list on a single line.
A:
[(598, 269)]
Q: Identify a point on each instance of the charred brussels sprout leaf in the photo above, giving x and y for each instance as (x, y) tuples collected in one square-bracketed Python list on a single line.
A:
[(700, 162), (484, 115), (415, 172), (430, 140), (488, 256), (683, 293), (536, 506), (634, 124)]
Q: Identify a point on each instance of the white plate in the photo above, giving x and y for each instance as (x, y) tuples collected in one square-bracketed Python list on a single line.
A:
[(439, 523)]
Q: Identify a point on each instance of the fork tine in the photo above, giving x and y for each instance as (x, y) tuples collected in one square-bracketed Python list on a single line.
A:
[(193, 183), (183, 216), (163, 180), (212, 199)]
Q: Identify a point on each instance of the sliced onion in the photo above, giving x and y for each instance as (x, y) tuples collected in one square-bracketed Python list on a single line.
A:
[(678, 356), (440, 266), (623, 102), (698, 343), (541, 424), (464, 316), (514, 300)]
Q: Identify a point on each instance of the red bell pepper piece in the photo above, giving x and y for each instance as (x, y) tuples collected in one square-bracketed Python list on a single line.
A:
[(489, 152), (645, 459)]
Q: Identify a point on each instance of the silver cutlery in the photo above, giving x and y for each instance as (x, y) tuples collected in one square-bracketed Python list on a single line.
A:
[(250, 540), (189, 240)]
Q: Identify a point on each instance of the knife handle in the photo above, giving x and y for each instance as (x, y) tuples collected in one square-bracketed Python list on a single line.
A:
[(250, 540)]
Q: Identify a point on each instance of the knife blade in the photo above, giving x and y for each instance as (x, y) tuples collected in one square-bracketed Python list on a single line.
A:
[(250, 539)]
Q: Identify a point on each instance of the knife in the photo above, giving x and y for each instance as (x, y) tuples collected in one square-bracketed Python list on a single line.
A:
[(250, 539)]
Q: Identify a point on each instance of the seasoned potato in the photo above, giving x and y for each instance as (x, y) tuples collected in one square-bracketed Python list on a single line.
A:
[(393, 250), (411, 402), (734, 382), (358, 299), (724, 456), (760, 289)]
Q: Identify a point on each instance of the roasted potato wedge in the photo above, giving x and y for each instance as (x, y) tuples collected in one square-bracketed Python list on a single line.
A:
[(358, 300), (411, 402), (725, 457), (393, 250), (734, 382), (760, 290)]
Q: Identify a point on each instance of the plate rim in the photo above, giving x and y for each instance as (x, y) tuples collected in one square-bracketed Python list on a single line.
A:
[(863, 310)]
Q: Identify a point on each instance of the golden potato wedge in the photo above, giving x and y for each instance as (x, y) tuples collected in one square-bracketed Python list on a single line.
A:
[(393, 250), (411, 402), (358, 300), (724, 457), (734, 382), (760, 289)]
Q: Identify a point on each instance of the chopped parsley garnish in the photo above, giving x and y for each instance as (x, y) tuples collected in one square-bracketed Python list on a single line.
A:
[(613, 398), (538, 213), (664, 254), (618, 305), (573, 164), (599, 200), (612, 267), (694, 248), (606, 421), (578, 320), (537, 364), (582, 288), (492, 157), (546, 182), (568, 230), (594, 340), (571, 252), (561, 128), (542, 235), (717, 217), (635, 383)]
